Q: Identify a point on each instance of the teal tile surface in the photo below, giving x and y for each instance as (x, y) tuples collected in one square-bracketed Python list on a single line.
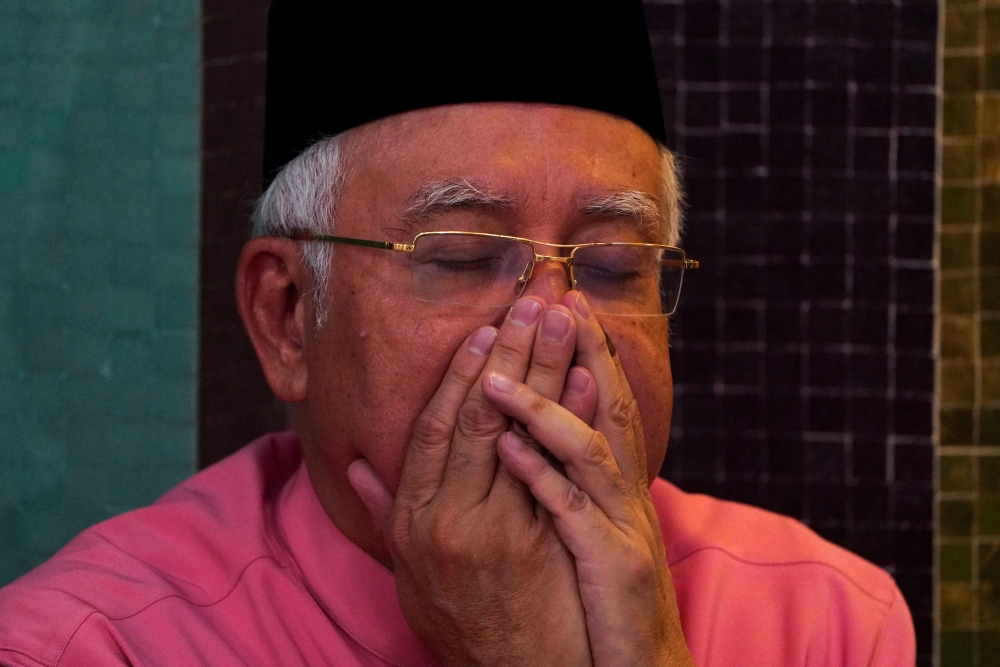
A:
[(99, 199)]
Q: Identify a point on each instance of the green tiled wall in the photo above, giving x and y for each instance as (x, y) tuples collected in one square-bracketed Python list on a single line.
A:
[(99, 191), (969, 328)]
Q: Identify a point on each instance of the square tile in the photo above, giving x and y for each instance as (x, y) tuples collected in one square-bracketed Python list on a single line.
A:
[(957, 250), (956, 606), (956, 427), (961, 27), (989, 514), (956, 517), (961, 74), (991, 115), (957, 648), (958, 384), (989, 606), (989, 248), (957, 337), (992, 73), (956, 473), (958, 161), (991, 202), (989, 474), (956, 562), (989, 293), (958, 296), (990, 387), (989, 563), (989, 159), (989, 648), (991, 27), (989, 427), (958, 205), (989, 337)]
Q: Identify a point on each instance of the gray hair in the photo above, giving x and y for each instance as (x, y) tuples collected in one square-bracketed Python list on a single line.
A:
[(304, 196)]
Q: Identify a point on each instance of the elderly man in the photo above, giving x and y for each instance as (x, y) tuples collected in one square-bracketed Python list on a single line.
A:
[(466, 303)]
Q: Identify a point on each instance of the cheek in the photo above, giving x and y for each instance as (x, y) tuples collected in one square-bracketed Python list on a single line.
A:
[(645, 357)]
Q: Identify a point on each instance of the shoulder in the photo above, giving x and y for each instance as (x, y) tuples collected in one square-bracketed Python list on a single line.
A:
[(730, 560), (193, 544)]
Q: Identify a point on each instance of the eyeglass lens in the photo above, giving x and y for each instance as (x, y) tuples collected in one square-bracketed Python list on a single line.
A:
[(485, 271)]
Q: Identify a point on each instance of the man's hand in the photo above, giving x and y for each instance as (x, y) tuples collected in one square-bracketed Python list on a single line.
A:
[(483, 578), (601, 507)]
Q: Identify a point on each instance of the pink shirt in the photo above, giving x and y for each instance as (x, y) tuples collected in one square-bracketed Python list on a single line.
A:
[(240, 565)]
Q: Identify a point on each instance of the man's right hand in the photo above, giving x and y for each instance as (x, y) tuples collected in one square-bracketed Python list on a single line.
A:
[(482, 576)]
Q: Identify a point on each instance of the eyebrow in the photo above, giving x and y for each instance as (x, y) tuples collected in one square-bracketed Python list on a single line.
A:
[(456, 193), (440, 197), (640, 206)]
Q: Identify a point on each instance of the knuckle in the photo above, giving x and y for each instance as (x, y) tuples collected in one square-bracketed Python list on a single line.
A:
[(575, 499), (596, 451), (508, 347), (477, 419), (623, 412), (432, 426), (547, 364)]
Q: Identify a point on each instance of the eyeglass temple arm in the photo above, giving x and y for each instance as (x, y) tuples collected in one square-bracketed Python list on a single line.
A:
[(685, 263), (306, 235)]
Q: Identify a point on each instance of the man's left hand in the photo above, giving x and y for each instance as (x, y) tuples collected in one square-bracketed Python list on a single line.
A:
[(601, 507)]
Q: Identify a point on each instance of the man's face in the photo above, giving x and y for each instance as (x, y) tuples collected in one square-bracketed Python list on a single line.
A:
[(381, 354)]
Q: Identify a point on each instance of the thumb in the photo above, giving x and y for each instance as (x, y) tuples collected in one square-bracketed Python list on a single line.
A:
[(373, 493)]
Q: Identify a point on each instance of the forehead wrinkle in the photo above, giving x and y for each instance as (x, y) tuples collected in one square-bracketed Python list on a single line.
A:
[(454, 194), (639, 206)]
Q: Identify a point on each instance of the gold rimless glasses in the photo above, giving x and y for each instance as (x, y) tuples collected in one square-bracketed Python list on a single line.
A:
[(475, 269)]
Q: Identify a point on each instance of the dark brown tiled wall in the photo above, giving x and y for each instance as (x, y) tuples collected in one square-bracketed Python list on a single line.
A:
[(231, 412), (802, 349)]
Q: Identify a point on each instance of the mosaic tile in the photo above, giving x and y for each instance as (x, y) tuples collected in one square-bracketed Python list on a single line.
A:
[(989, 427), (960, 114), (989, 337), (956, 473), (956, 250), (989, 514), (990, 389), (957, 337), (956, 562), (956, 605), (959, 161), (961, 27), (989, 248), (958, 296), (961, 74), (957, 649), (958, 205), (992, 72), (989, 160), (991, 115), (989, 474), (991, 27), (956, 517), (956, 427)]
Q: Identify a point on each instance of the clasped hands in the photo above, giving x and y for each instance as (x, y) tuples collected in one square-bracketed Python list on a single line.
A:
[(500, 557)]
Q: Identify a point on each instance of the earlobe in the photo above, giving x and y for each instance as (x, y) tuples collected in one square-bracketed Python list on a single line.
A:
[(271, 289)]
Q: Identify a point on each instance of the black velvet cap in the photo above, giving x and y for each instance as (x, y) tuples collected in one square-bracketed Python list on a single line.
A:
[(334, 65)]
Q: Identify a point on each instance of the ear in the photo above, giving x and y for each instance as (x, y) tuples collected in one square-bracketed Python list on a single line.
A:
[(271, 287)]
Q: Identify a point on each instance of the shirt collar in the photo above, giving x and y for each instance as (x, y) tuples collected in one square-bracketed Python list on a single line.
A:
[(357, 592)]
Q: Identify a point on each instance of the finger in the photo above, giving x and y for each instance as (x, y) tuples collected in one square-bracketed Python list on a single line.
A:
[(373, 493), (588, 458), (576, 517), (551, 356), (472, 460), (580, 394), (428, 451), (616, 409), (552, 352)]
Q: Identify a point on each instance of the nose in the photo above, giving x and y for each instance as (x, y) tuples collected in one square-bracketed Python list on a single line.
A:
[(549, 280)]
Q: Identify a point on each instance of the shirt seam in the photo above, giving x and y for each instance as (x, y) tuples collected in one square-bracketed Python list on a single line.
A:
[(746, 561), (171, 596), (881, 632)]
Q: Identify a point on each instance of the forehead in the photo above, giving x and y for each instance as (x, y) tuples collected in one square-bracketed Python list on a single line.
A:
[(546, 158)]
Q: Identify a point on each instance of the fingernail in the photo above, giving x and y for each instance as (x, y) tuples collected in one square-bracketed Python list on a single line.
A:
[(482, 341), (525, 312), (515, 442), (555, 325), (577, 382), (502, 383), (582, 306), (611, 346)]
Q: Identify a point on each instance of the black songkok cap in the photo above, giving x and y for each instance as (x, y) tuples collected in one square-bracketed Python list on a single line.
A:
[(334, 65)]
